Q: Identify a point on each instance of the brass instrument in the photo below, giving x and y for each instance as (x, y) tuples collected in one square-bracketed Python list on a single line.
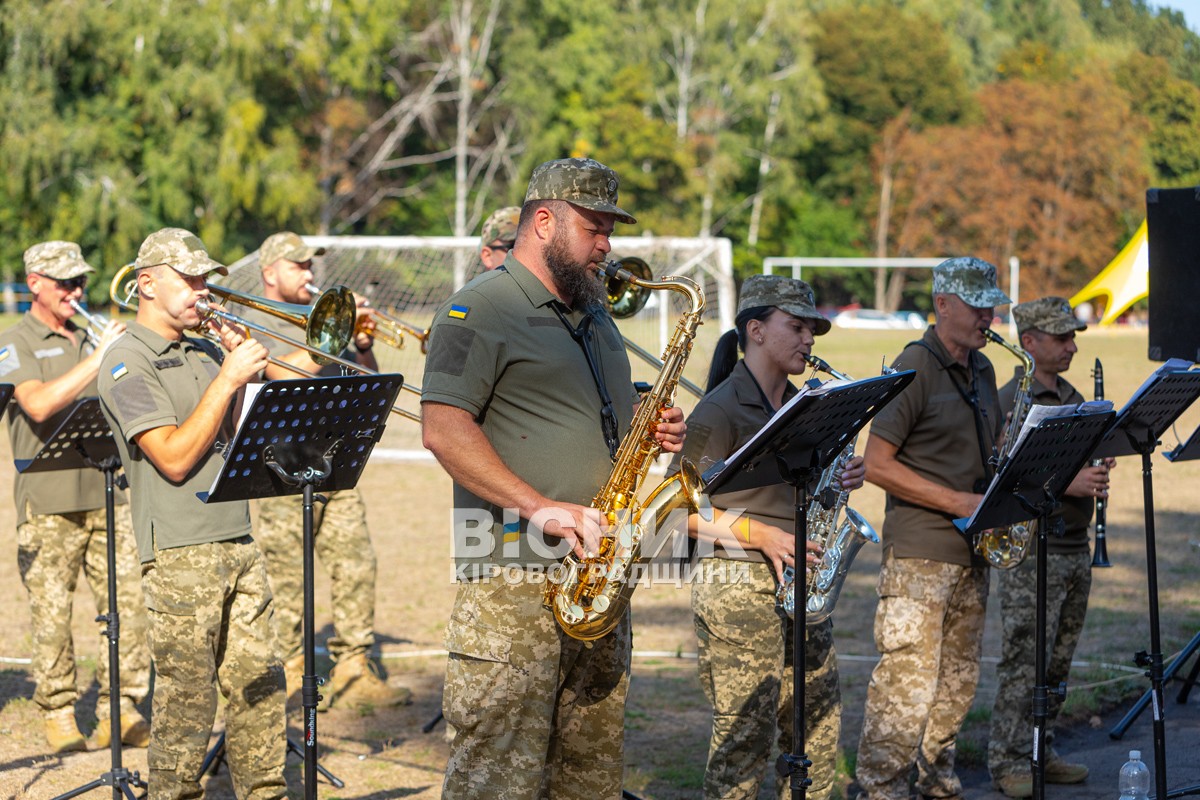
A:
[(387, 329), (841, 538), (1007, 546), (96, 323), (328, 323), (593, 594)]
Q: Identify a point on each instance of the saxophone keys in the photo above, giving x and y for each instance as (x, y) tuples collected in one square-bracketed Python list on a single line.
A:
[(600, 603)]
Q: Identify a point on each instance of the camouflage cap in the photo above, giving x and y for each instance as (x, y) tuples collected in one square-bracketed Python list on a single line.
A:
[(501, 225), (178, 249), (788, 294), (286, 245), (973, 280), (58, 260), (583, 182), (1051, 315)]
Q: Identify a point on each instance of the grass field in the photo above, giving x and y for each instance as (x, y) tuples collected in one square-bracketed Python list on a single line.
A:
[(385, 755)]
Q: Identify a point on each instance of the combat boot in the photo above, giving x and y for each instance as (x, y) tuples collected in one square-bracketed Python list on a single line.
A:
[(356, 683), (135, 729), (61, 731)]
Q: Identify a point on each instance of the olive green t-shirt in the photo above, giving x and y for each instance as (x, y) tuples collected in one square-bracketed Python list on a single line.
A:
[(935, 430), (31, 351), (725, 419), (1076, 512), (147, 381), (498, 351)]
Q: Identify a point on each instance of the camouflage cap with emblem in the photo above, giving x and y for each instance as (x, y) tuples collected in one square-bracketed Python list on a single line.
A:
[(972, 280), (178, 249), (59, 260), (583, 182), (286, 245), (501, 226), (787, 294), (1051, 315)]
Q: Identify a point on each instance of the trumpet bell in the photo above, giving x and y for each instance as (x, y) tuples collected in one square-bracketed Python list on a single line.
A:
[(626, 298)]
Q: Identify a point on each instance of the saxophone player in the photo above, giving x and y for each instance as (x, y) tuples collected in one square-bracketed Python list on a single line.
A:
[(526, 390), (744, 638), (1047, 332), (929, 450)]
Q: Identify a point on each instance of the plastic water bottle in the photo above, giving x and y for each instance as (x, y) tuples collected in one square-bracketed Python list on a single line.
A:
[(1135, 778)]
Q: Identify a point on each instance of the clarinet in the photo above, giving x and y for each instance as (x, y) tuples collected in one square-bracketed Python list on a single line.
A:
[(1100, 553)]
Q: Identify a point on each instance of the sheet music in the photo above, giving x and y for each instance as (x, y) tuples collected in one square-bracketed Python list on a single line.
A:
[(1037, 415), (247, 399), (805, 391)]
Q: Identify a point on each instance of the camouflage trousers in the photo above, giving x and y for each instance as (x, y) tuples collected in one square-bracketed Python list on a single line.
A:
[(211, 626), (746, 673), (536, 713), (929, 633), (343, 546), (1069, 579), (51, 550)]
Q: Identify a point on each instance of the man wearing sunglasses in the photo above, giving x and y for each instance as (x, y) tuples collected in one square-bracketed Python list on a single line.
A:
[(61, 521), (498, 235)]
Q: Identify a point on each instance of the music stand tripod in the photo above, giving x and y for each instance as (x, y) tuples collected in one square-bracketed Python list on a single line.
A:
[(1036, 472), (294, 436), (794, 447), (1136, 430), (83, 439)]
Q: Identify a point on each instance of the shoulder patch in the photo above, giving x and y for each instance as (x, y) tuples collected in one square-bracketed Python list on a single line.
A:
[(458, 312), (119, 371), (9, 360)]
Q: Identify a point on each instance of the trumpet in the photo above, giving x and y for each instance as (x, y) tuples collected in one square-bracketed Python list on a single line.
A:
[(387, 329), (328, 323), (96, 323)]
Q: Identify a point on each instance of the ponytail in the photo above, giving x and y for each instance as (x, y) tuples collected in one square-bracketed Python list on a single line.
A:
[(725, 355)]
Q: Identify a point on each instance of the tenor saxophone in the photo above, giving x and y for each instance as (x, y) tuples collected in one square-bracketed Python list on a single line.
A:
[(1007, 546), (840, 530), (589, 596)]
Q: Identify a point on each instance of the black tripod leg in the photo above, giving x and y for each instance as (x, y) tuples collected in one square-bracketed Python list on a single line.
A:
[(213, 758), (334, 779), (1195, 673), (433, 723)]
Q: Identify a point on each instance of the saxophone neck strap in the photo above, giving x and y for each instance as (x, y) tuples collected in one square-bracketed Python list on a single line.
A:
[(583, 337), (970, 396)]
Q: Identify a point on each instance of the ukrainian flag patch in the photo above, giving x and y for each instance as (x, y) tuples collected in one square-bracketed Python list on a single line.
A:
[(119, 371), (3, 353), (512, 531), (458, 312)]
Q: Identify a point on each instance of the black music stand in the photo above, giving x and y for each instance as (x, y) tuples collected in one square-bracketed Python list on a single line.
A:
[(83, 439), (794, 447), (6, 393), (296, 435), (1187, 451), (1051, 448), (1153, 408)]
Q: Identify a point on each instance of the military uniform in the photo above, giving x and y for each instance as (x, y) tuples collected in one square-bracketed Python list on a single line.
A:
[(342, 542), (62, 527), (932, 588), (202, 573), (745, 641), (536, 713), (1068, 583)]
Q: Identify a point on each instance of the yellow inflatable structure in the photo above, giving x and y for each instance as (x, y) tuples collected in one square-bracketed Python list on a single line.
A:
[(1123, 282)]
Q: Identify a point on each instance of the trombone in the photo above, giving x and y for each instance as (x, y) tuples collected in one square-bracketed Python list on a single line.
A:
[(388, 329), (328, 323), (96, 323), (626, 299)]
